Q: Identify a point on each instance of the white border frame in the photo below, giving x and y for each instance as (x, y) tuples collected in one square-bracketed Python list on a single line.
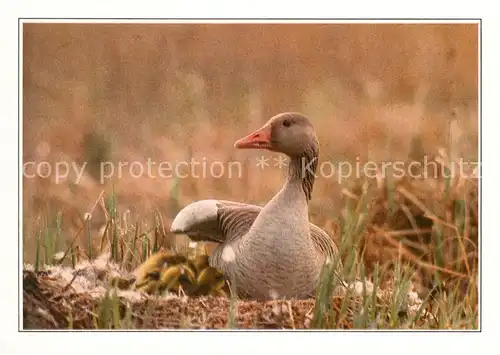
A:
[(136, 341)]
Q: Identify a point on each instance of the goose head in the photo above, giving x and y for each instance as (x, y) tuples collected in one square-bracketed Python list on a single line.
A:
[(290, 133)]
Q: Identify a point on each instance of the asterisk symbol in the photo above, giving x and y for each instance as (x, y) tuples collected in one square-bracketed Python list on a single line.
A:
[(280, 161), (262, 162)]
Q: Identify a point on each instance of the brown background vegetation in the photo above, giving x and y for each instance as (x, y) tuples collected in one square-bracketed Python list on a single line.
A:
[(129, 92)]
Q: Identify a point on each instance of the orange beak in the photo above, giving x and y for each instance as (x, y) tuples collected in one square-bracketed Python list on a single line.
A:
[(260, 139)]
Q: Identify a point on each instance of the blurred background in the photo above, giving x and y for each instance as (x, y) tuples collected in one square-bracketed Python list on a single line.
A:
[(115, 93)]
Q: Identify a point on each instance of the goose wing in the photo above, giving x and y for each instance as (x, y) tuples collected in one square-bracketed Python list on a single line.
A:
[(225, 222)]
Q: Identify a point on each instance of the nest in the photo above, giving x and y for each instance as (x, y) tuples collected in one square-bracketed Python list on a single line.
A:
[(48, 304)]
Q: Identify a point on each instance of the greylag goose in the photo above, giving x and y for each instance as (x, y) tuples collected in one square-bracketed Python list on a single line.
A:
[(272, 251)]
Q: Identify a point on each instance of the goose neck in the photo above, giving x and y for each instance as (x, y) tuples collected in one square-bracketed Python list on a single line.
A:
[(302, 171)]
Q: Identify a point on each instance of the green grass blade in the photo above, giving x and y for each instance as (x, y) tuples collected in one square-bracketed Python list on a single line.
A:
[(89, 237), (48, 242), (37, 248)]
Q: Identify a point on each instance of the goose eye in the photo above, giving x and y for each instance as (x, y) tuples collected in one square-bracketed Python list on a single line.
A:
[(287, 123)]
